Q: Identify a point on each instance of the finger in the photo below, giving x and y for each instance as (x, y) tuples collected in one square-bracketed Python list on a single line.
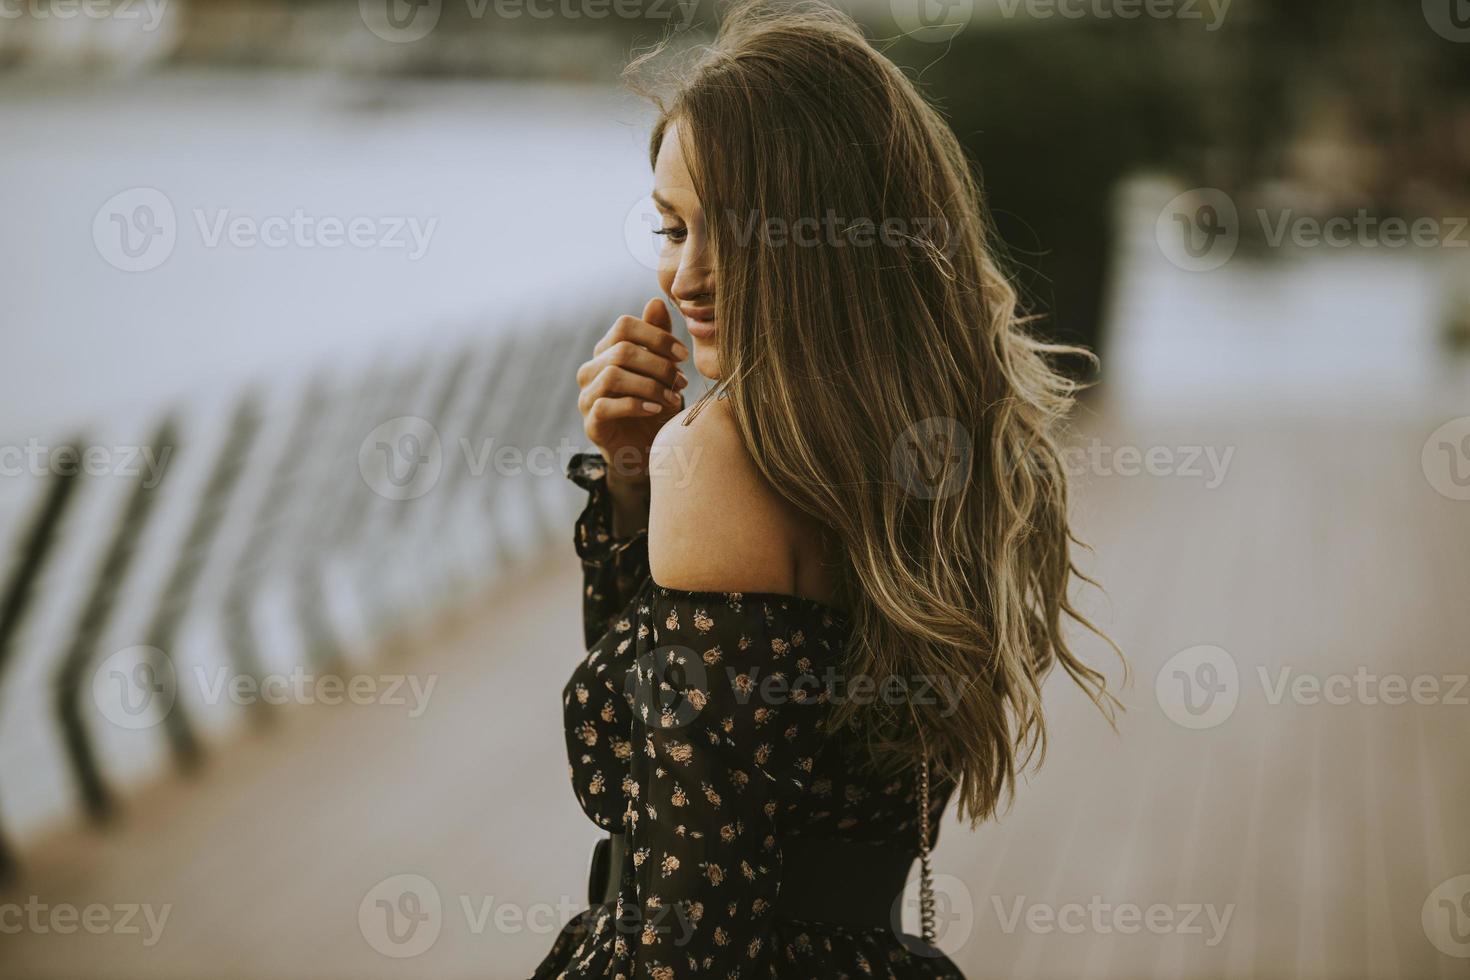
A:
[(612, 409), (656, 312), (658, 340), (649, 376), (615, 382), (628, 355)]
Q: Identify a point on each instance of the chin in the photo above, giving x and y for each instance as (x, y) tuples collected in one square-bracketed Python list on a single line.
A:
[(707, 361)]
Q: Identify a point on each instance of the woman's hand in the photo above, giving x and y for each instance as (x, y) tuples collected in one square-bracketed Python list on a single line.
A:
[(629, 389)]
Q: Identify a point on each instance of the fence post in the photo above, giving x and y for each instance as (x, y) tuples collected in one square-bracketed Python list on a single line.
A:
[(35, 550), (183, 579), (98, 609)]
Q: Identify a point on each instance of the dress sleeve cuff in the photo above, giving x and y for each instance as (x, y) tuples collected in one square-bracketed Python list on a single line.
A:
[(595, 542)]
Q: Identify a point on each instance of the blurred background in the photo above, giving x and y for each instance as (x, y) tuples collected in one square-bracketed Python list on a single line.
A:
[(293, 294)]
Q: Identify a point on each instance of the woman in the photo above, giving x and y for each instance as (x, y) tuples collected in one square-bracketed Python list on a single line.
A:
[(821, 601)]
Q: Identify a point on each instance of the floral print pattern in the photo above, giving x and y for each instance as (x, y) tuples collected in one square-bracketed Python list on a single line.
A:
[(695, 725)]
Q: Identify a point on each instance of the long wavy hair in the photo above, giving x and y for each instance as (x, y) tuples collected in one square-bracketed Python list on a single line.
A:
[(884, 380)]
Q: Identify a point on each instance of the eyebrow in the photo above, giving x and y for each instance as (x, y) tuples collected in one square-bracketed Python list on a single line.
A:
[(663, 205)]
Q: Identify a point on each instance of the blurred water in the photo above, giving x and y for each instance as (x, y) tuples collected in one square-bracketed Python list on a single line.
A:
[(507, 205), (524, 189), (1302, 332)]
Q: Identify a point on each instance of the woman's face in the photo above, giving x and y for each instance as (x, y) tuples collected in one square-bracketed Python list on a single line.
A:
[(685, 270)]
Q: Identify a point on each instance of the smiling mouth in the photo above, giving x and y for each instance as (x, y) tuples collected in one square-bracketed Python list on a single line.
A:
[(701, 322)]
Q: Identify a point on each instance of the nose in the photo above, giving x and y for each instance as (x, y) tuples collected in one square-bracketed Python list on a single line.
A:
[(694, 279)]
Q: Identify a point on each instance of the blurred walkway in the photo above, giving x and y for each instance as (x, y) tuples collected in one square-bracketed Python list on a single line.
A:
[(1319, 829), (266, 857)]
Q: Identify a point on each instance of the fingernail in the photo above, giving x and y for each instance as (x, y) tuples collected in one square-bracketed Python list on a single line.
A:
[(680, 382), (652, 407), (671, 397), (680, 351)]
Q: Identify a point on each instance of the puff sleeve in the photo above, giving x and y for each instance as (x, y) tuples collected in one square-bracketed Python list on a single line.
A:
[(613, 569)]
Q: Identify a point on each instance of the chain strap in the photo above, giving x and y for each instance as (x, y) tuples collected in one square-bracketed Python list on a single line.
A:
[(926, 870)]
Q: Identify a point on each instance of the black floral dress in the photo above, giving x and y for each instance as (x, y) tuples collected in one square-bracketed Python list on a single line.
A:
[(695, 726)]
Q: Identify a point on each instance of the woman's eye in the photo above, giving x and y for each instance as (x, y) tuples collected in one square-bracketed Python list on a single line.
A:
[(673, 234)]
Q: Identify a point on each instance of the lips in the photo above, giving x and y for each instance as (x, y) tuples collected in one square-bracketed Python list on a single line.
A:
[(701, 321)]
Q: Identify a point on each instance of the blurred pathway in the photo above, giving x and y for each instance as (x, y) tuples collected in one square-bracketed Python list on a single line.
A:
[(1320, 830)]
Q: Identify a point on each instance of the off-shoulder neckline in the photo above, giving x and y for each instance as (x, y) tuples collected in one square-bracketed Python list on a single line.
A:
[(715, 595)]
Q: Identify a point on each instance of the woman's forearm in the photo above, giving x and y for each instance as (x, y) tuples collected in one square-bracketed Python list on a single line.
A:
[(629, 505)]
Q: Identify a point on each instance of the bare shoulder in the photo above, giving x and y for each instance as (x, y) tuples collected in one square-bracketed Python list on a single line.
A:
[(715, 523)]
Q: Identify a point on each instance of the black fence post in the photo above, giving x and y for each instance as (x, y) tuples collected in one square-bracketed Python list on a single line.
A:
[(97, 611), (183, 579), (240, 636), (35, 550)]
